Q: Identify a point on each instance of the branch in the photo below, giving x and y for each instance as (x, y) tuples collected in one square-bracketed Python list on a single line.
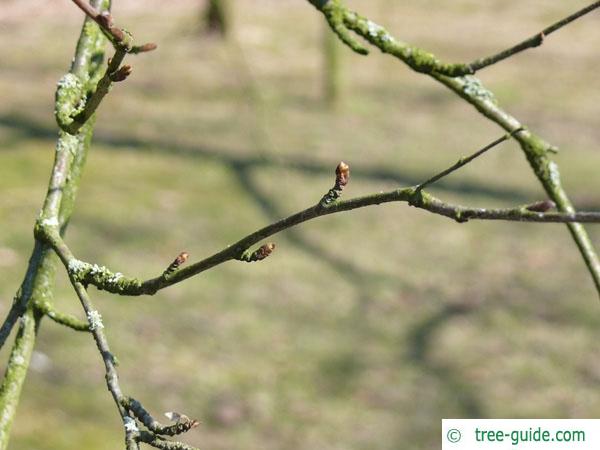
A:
[(16, 370), (105, 279), (76, 108), (534, 41), (125, 405), (46, 308), (473, 92), (342, 21), (96, 327), (464, 161), (38, 282), (120, 38), (19, 305), (72, 118), (182, 424), (163, 444)]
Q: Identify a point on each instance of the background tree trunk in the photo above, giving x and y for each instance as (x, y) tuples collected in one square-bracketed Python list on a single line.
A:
[(217, 17), (332, 73)]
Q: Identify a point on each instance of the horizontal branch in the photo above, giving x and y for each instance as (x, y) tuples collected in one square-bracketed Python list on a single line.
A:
[(343, 21), (163, 444), (183, 424), (105, 279)]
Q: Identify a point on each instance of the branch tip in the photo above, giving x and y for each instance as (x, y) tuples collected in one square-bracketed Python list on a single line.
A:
[(342, 174), (121, 74), (147, 47)]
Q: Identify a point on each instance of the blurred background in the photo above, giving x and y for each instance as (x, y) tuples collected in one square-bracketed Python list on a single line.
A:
[(363, 330)]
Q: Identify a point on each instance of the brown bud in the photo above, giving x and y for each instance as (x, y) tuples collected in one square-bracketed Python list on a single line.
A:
[(148, 47), (541, 206), (264, 251), (121, 73), (181, 259), (342, 174)]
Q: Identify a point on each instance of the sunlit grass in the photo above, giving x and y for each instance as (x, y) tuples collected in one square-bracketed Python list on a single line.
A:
[(362, 330)]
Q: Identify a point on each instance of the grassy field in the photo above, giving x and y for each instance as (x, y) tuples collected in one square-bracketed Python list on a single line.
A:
[(363, 330)]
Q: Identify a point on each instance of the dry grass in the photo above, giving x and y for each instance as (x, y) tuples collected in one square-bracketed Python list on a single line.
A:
[(363, 330)]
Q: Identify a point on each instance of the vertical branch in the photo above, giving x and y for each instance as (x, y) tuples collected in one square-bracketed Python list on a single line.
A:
[(71, 152), (332, 73), (16, 371), (536, 151)]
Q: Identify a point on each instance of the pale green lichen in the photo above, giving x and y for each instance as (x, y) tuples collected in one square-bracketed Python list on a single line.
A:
[(95, 320), (102, 277), (130, 425), (474, 88), (67, 143), (553, 173), (69, 100), (51, 222)]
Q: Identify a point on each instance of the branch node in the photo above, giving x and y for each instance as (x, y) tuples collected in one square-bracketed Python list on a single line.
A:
[(539, 39), (460, 217), (182, 423), (342, 176), (105, 20), (259, 254)]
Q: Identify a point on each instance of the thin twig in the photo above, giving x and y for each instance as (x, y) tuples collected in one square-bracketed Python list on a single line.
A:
[(534, 41), (103, 278), (163, 444), (464, 161), (342, 20), (104, 21), (68, 320), (473, 92)]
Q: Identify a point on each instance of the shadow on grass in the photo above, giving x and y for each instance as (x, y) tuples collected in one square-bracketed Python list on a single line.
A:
[(34, 129), (420, 341)]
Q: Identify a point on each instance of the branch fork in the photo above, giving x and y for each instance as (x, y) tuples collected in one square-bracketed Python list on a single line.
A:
[(74, 108)]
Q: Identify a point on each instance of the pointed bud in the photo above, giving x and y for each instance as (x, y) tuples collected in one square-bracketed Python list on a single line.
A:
[(181, 259), (122, 73), (342, 174), (264, 251), (541, 206)]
